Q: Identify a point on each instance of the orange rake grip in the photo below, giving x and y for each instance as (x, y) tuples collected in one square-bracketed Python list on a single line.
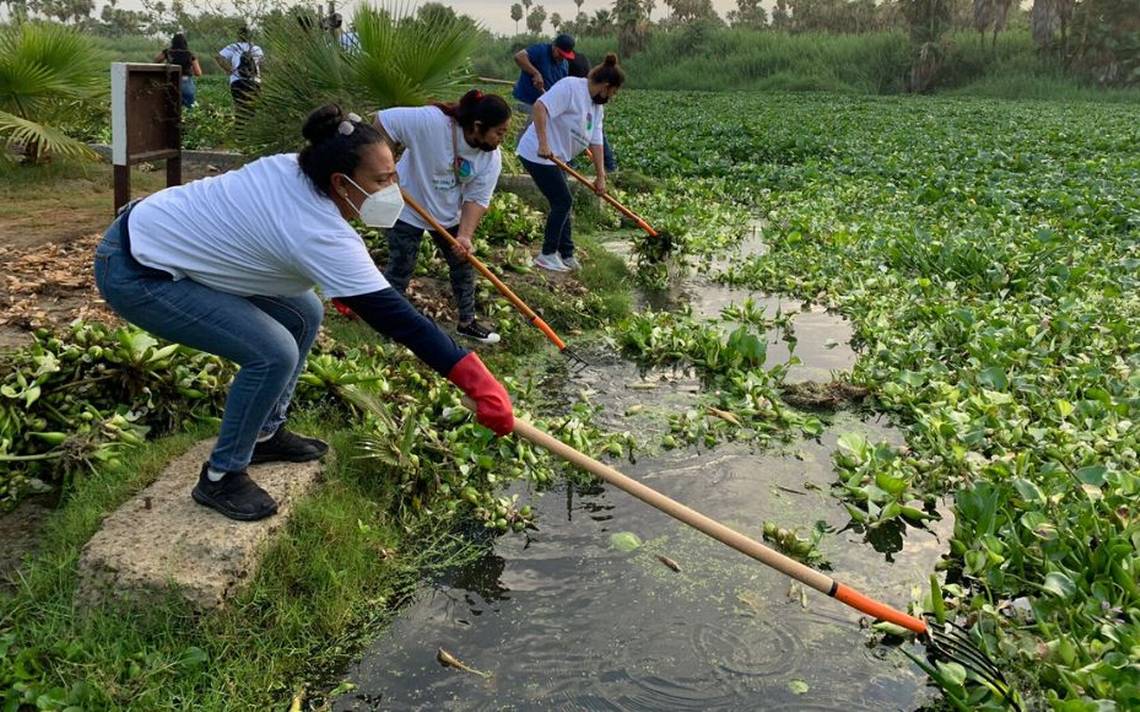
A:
[(544, 328), (881, 611)]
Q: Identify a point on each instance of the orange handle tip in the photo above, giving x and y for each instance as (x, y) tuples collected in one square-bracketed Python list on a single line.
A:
[(881, 611)]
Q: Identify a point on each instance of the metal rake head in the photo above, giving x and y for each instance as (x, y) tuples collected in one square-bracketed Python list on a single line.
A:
[(952, 643), (577, 363)]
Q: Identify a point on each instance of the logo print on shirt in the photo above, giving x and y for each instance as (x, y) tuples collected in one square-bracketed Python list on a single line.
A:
[(464, 170), (589, 121)]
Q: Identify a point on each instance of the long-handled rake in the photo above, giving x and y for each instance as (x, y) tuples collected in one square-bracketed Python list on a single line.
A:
[(513, 298), (947, 641), (662, 244)]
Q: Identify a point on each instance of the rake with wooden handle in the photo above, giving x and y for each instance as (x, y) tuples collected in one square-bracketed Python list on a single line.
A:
[(946, 641), (513, 298), (664, 240)]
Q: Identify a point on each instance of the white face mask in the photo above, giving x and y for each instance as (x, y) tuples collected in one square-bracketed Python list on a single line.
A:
[(382, 208)]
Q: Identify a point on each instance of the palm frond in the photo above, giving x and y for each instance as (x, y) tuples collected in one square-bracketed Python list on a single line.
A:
[(402, 60), (18, 131), (46, 71)]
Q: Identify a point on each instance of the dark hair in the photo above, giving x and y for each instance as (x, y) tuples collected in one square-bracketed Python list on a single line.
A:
[(608, 72), (243, 33), (488, 109), (330, 151), (178, 41)]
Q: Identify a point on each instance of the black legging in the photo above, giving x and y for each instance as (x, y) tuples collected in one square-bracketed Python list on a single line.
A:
[(552, 182), (244, 93)]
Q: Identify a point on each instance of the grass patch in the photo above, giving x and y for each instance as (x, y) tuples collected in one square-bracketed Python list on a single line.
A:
[(335, 574)]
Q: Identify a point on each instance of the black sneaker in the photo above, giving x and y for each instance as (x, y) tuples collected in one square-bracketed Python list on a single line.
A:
[(475, 330), (235, 496), (286, 446)]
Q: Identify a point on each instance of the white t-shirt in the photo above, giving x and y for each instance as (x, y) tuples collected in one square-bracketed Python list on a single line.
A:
[(428, 170), (574, 122), (260, 230), (350, 41), (233, 52)]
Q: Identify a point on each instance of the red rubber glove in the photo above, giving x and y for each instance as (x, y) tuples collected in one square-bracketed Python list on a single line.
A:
[(492, 404), (344, 311)]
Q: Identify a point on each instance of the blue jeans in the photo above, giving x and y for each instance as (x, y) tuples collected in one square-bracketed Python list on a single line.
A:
[(552, 182), (609, 160), (189, 92), (268, 337)]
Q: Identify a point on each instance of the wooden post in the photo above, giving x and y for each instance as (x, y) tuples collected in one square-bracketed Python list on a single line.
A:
[(122, 186), (146, 115)]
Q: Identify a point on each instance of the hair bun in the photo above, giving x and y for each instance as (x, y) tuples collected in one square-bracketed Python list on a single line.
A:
[(610, 60), (323, 123), (471, 98)]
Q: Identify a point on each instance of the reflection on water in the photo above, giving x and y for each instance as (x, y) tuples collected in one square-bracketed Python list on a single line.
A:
[(565, 622)]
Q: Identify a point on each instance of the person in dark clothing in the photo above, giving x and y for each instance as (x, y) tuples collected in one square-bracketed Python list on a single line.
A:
[(227, 265), (580, 67), (179, 53), (541, 65)]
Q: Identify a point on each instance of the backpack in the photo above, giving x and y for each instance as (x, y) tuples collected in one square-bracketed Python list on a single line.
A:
[(248, 67)]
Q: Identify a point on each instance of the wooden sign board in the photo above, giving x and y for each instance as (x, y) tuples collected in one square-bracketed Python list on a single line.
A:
[(146, 121)]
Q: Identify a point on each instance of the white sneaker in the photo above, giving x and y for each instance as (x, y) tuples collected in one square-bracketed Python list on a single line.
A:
[(552, 263), (571, 263)]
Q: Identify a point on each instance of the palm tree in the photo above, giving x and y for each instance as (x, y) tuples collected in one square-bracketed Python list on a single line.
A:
[(516, 15), (535, 19), (1001, 18), (398, 63), (48, 75)]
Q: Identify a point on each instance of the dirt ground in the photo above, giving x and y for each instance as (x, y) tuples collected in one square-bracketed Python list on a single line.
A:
[(51, 218)]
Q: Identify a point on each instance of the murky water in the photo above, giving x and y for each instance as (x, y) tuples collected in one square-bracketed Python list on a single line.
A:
[(562, 620)]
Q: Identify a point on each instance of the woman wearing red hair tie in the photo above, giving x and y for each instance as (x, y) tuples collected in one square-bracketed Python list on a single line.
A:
[(450, 166)]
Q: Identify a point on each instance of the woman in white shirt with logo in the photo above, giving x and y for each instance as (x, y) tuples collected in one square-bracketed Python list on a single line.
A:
[(450, 166), (228, 264), (567, 121)]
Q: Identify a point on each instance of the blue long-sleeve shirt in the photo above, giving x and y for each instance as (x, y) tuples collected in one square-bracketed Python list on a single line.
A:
[(388, 312)]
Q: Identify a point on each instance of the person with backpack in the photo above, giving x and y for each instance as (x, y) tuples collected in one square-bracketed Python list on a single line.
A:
[(227, 265), (242, 59), (450, 166), (179, 53)]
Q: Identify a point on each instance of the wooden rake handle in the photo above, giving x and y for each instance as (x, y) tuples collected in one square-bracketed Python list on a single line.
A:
[(606, 197), (483, 270), (745, 545)]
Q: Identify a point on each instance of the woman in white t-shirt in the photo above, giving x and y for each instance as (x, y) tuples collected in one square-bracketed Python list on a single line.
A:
[(567, 121), (228, 265), (450, 166)]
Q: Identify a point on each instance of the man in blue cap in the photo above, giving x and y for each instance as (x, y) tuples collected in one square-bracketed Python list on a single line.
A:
[(542, 65)]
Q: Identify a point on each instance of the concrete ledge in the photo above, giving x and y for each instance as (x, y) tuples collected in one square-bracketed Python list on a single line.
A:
[(161, 540), (222, 160)]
